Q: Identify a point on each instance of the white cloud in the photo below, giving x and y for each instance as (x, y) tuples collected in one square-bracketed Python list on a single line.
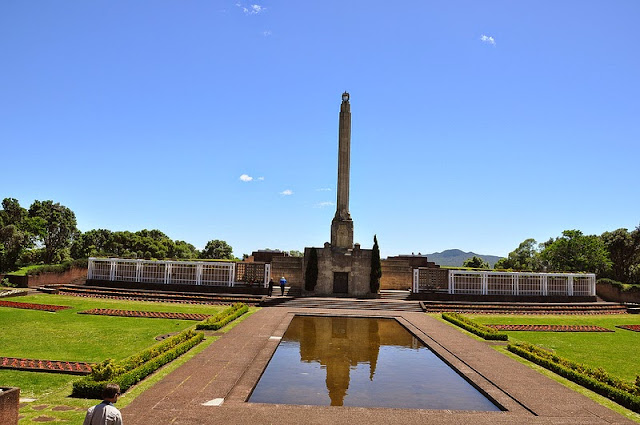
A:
[(286, 192), (246, 178), (253, 9), (260, 179), (324, 189), (488, 39), (266, 33), (324, 204)]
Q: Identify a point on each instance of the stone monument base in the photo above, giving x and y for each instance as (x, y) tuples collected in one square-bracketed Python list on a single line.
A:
[(342, 272)]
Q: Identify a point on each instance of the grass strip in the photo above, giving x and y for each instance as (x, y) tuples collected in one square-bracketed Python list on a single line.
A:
[(473, 327), (597, 380), (224, 317)]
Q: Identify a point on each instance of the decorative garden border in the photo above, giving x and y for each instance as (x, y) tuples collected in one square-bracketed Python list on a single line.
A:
[(550, 328), (52, 366), (634, 328), (145, 314), (31, 306)]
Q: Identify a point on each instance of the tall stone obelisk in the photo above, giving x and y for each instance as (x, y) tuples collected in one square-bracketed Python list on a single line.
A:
[(342, 224)]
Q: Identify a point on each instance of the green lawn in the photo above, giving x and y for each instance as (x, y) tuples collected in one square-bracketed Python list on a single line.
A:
[(616, 352), (24, 270), (66, 335)]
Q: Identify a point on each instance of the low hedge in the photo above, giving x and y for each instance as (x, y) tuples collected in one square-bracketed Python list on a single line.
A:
[(224, 317), (597, 380), (475, 328), (620, 285), (132, 370)]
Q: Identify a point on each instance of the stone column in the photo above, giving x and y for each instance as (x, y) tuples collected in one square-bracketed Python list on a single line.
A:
[(342, 225)]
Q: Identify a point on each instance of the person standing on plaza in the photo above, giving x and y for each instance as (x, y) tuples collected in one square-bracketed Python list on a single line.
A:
[(270, 286), (105, 413), (283, 282)]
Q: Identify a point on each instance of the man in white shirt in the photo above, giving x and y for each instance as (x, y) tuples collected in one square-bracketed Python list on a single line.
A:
[(105, 413)]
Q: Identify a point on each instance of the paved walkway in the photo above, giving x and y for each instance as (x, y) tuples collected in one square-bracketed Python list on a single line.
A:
[(229, 368)]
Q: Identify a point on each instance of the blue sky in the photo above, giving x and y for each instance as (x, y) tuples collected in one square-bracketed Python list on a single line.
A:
[(475, 124)]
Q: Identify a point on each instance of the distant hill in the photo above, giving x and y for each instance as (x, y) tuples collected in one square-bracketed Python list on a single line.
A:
[(455, 257)]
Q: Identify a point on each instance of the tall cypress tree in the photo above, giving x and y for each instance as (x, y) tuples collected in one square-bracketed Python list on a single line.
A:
[(311, 274), (376, 267)]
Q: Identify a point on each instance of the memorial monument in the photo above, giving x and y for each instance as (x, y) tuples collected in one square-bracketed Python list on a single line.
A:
[(343, 267)]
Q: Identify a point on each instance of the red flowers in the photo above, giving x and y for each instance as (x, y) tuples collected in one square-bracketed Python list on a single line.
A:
[(31, 306), (148, 314), (635, 328), (35, 365), (551, 328)]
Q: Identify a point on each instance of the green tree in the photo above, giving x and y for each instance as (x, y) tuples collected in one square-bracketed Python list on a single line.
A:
[(17, 233), (624, 251), (91, 243), (217, 249), (295, 253), (376, 267), (12, 244), (183, 249), (575, 252), (311, 272), (476, 263), (12, 212), (524, 257), (59, 229)]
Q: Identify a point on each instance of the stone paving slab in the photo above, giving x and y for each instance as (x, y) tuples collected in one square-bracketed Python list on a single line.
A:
[(229, 369)]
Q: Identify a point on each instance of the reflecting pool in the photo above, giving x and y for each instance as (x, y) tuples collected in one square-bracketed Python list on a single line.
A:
[(345, 361)]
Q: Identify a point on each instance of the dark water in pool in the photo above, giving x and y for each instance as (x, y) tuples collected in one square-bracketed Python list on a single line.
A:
[(342, 361)]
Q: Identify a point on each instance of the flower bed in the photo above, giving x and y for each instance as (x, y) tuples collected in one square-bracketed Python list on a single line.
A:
[(624, 393), (147, 314), (31, 306), (551, 328), (635, 328), (224, 317), (53, 366)]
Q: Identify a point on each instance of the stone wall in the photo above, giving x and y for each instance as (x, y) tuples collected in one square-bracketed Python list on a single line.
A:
[(53, 278), (9, 405), (289, 267), (49, 278), (396, 274), (356, 262), (608, 292)]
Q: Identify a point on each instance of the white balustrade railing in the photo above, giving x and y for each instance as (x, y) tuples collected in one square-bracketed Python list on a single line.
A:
[(211, 273), (511, 283)]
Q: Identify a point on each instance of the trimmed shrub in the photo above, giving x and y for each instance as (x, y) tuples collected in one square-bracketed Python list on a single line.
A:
[(597, 380), (620, 285), (135, 368), (311, 273), (223, 318), (475, 328)]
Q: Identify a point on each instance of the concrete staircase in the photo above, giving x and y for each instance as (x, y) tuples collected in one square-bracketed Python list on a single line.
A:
[(391, 294), (344, 303)]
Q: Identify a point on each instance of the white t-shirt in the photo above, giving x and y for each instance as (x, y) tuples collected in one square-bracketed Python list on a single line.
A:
[(103, 414)]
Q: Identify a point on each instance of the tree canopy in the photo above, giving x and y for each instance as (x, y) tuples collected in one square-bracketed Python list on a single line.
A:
[(47, 233), (575, 252), (217, 249), (476, 263), (524, 257)]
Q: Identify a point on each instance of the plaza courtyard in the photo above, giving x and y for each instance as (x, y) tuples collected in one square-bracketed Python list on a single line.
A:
[(212, 383)]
